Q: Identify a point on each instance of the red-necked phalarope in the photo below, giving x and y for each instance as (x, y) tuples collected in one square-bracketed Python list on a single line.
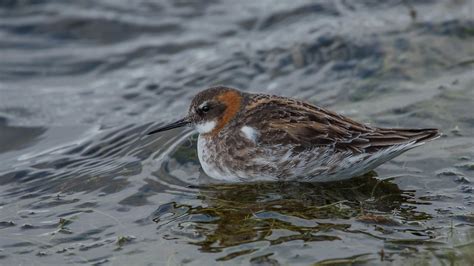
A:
[(254, 137)]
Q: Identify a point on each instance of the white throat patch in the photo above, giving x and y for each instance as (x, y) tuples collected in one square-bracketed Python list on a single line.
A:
[(206, 127)]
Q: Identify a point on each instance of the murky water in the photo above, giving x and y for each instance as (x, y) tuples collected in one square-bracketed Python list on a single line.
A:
[(81, 81)]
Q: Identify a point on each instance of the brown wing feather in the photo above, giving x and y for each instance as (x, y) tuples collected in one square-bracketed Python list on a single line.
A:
[(287, 121)]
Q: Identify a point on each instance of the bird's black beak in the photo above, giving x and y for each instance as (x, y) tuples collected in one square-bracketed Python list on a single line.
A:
[(179, 123)]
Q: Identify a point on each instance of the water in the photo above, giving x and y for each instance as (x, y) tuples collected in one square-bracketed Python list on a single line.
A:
[(81, 81)]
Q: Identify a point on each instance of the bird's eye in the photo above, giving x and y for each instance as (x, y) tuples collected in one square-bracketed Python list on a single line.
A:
[(205, 108)]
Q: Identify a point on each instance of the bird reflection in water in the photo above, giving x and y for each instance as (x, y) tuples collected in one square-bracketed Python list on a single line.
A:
[(235, 214)]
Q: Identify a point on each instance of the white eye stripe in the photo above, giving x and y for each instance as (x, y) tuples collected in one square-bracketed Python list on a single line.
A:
[(202, 105)]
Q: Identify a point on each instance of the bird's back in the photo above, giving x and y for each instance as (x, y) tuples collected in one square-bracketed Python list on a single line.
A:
[(281, 120)]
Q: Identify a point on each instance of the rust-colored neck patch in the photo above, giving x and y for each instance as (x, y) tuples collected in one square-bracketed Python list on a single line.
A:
[(233, 101)]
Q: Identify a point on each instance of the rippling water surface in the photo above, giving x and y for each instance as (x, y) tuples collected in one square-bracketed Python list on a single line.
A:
[(81, 81)]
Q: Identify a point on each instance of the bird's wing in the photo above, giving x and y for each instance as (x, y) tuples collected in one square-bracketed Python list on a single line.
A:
[(286, 121)]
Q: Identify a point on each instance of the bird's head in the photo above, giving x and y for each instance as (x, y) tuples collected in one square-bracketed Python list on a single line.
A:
[(210, 111)]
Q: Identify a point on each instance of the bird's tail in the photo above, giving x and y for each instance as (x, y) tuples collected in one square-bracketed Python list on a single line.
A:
[(419, 136), (384, 138)]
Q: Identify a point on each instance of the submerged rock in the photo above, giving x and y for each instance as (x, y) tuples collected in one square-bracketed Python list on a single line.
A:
[(467, 166)]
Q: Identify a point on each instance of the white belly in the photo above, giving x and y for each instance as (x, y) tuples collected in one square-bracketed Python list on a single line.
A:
[(208, 158), (317, 165)]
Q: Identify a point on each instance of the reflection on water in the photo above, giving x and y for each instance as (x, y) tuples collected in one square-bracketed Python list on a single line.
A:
[(82, 81), (238, 214)]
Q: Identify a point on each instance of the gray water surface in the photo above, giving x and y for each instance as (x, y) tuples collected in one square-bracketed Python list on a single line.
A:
[(82, 81)]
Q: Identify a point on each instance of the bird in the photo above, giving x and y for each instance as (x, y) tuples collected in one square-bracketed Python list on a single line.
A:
[(250, 137)]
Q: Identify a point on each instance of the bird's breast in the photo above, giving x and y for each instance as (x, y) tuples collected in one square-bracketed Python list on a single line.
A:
[(209, 158)]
